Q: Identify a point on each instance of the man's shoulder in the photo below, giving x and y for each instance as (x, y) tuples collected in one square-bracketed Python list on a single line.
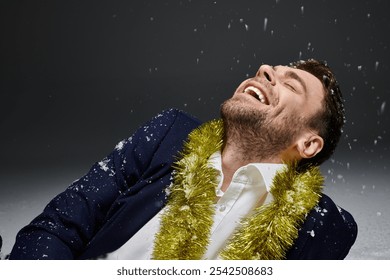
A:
[(173, 115), (166, 131), (327, 205), (328, 215), (328, 232)]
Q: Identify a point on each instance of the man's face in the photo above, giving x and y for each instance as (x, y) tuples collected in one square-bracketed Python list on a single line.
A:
[(281, 91), (273, 107)]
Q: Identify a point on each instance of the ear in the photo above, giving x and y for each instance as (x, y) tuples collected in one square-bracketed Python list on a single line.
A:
[(310, 145)]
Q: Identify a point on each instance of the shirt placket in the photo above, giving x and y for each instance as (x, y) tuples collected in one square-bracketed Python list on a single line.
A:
[(228, 199)]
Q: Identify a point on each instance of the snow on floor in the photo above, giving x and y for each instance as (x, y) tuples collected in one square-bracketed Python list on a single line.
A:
[(367, 197), (23, 197)]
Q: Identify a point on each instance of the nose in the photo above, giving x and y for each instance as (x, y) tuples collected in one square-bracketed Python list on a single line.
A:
[(267, 72)]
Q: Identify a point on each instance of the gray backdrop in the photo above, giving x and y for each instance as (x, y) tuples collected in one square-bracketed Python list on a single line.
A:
[(78, 76)]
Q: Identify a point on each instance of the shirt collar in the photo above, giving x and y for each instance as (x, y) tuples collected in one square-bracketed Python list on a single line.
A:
[(266, 170)]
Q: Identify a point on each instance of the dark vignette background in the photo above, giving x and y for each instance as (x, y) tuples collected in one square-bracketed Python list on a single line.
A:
[(78, 76)]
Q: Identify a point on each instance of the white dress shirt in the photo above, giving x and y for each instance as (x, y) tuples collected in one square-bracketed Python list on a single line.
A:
[(248, 189)]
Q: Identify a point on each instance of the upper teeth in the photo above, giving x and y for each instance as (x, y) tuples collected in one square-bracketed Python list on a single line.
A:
[(257, 91)]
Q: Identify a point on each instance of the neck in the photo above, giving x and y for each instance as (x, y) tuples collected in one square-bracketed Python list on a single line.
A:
[(234, 157)]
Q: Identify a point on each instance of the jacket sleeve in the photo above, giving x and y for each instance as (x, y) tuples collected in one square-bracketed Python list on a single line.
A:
[(72, 218), (327, 234)]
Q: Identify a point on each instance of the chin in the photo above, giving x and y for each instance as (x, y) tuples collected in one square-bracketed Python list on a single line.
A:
[(237, 113), (239, 106)]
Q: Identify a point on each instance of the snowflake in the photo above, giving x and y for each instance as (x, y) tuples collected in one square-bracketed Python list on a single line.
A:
[(120, 145)]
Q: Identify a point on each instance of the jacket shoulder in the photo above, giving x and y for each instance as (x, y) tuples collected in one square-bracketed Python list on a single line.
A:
[(173, 114), (328, 232)]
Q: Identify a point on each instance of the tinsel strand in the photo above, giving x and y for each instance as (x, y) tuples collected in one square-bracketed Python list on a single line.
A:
[(186, 224)]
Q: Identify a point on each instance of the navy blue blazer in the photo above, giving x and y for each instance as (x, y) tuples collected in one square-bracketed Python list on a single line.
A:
[(98, 213)]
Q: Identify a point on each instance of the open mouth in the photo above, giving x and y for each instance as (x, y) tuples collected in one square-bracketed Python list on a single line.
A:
[(256, 93)]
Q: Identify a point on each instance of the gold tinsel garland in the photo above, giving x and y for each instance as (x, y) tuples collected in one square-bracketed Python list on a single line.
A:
[(267, 234)]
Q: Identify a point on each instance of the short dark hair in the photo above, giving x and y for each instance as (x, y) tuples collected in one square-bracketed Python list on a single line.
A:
[(329, 121)]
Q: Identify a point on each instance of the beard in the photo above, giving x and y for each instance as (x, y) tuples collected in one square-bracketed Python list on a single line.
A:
[(256, 135)]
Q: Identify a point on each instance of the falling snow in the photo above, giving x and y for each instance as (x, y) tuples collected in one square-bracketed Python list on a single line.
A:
[(383, 106), (265, 24)]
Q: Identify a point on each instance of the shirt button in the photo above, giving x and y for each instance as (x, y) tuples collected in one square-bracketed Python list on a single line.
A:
[(222, 207)]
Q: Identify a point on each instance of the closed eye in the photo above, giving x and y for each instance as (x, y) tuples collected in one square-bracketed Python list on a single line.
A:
[(290, 87), (292, 77)]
